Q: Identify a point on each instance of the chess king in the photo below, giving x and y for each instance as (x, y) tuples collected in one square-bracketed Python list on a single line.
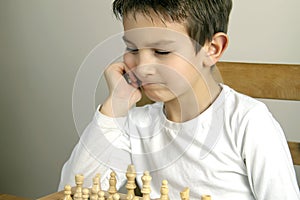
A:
[(199, 133)]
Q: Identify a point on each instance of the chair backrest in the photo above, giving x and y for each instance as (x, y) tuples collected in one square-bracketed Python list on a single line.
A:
[(268, 81)]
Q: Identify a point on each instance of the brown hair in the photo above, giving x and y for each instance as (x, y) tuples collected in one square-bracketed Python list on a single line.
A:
[(202, 18)]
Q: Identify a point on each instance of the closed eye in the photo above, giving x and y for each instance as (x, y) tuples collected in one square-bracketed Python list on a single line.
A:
[(135, 51), (131, 50), (162, 52)]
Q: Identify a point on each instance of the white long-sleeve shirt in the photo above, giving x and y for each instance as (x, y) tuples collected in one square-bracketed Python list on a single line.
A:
[(233, 150)]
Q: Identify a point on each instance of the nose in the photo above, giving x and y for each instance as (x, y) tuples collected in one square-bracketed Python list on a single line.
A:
[(145, 64)]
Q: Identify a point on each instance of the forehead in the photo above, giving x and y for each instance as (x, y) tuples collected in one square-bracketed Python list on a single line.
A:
[(152, 29), (141, 20)]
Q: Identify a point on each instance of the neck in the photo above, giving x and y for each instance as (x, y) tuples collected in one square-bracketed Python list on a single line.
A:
[(193, 103)]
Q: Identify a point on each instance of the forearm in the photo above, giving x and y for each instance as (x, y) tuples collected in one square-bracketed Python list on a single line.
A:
[(98, 151)]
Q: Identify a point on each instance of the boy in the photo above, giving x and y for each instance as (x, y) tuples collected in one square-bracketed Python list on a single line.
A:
[(200, 134)]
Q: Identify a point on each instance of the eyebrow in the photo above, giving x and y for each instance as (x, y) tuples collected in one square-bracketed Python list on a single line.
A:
[(160, 42)]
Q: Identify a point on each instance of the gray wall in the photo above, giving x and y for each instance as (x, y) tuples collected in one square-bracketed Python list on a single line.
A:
[(43, 43)]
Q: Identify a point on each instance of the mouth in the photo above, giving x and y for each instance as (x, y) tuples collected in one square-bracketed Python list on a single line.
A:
[(152, 84)]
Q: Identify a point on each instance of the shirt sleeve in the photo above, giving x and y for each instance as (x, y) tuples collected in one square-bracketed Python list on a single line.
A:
[(103, 147), (269, 164)]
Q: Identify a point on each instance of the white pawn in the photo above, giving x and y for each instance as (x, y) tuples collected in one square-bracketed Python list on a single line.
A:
[(101, 195), (116, 196), (185, 194), (164, 190), (67, 193), (94, 194), (85, 194), (77, 196), (96, 183), (205, 197)]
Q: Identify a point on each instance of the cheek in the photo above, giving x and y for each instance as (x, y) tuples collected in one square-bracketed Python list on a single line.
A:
[(129, 60), (179, 74)]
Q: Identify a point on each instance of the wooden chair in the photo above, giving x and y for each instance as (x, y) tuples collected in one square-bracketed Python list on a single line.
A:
[(268, 81)]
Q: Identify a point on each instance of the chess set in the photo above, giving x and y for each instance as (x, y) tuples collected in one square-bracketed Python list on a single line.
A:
[(95, 192)]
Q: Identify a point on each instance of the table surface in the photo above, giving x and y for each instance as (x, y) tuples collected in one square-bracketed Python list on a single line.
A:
[(11, 197), (54, 196)]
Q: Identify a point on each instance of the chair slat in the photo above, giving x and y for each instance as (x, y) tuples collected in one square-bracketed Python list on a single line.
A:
[(274, 81)]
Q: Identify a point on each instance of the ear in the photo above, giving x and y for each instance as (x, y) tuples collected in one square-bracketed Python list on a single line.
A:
[(215, 48)]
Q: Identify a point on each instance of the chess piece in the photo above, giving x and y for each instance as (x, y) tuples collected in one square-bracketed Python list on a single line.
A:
[(101, 195), (94, 194), (164, 190), (116, 196), (95, 188), (85, 194), (67, 193), (79, 182), (185, 194), (112, 185), (130, 186), (77, 196), (146, 179), (205, 197), (96, 183)]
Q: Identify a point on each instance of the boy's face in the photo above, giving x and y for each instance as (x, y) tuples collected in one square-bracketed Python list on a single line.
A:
[(163, 57)]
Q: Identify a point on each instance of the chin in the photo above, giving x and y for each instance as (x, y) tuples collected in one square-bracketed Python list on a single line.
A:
[(158, 95)]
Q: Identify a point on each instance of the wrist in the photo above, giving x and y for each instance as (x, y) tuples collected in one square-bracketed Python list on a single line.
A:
[(115, 108)]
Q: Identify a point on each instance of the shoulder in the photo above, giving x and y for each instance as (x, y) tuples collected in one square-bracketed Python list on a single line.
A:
[(240, 104), (250, 119), (245, 116)]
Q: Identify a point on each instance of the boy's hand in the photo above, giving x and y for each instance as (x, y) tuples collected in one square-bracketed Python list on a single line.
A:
[(122, 95)]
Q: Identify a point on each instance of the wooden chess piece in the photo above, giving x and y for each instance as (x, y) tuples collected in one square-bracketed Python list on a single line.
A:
[(95, 188), (112, 185), (94, 194), (130, 186), (79, 182), (101, 195), (164, 190), (67, 192), (185, 194), (85, 194), (205, 197), (96, 183), (146, 179), (116, 196)]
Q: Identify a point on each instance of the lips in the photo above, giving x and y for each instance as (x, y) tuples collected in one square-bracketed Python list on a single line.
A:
[(152, 84)]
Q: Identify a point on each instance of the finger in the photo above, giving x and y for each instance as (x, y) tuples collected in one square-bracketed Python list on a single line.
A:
[(119, 67)]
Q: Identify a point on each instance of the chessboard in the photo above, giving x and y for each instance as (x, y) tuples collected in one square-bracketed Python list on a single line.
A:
[(96, 193)]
